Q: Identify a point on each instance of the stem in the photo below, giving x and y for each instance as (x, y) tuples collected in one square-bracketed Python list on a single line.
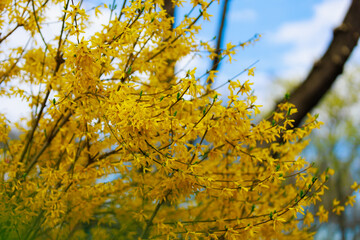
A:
[(216, 61)]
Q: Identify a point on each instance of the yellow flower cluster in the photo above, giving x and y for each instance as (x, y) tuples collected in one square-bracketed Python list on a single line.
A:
[(119, 146)]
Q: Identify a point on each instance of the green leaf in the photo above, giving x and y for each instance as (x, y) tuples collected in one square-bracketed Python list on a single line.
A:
[(278, 167), (273, 122), (161, 98), (253, 208), (287, 96), (301, 193), (289, 111)]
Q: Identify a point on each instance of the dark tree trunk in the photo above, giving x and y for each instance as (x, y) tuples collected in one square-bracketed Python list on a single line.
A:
[(169, 8), (325, 71), (168, 75)]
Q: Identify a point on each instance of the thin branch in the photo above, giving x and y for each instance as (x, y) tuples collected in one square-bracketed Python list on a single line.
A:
[(9, 33), (37, 23), (220, 38), (149, 223), (180, 35), (52, 135)]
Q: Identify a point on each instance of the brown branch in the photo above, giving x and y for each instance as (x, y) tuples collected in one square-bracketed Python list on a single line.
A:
[(180, 35), (325, 71), (37, 24), (52, 135), (9, 33), (59, 61), (169, 7), (34, 127), (149, 223), (169, 75), (8, 72), (220, 38)]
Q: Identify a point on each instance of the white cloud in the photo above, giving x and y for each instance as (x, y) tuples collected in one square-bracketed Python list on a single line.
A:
[(310, 37), (264, 90), (243, 15), (187, 63)]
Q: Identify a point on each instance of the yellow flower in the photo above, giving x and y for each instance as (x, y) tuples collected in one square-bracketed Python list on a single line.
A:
[(355, 186), (330, 171), (251, 71), (337, 208), (350, 200), (309, 218), (119, 141), (277, 221), (323, 214), (278, 116), (211, 76), (335, 202)]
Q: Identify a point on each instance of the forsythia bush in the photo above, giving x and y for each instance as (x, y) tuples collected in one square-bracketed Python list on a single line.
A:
[(118, 146)]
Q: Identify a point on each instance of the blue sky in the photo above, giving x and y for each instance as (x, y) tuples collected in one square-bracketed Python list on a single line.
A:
[(294, 35)]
